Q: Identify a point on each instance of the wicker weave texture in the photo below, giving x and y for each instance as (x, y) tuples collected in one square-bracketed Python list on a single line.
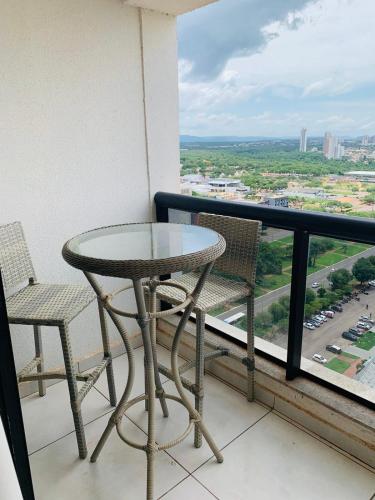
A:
[(15, 261), (216, 291), (137, 269), (44, 304), (242, 240)]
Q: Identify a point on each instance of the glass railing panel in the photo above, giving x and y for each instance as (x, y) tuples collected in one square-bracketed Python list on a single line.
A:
[(339, 327)]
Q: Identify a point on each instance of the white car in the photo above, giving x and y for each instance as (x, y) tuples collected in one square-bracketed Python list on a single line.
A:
[(315, 285), (321, 317), (371, 283), (319, 359), (309, 326)]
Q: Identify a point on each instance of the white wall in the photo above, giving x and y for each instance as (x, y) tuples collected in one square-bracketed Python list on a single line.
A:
[(78, 141)]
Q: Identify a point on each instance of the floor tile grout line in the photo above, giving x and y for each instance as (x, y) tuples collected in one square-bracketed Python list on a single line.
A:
[(234, 439), (324, 441), (71, 432), (175, 486), (205, 487)]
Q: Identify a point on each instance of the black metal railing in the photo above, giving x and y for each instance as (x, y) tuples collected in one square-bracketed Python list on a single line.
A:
[(303, 224)]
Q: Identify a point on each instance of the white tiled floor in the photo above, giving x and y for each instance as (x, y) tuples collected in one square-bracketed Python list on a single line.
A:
[(265, 456)]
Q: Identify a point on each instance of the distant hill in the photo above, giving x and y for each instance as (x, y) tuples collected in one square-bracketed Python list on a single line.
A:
[(218, 138)]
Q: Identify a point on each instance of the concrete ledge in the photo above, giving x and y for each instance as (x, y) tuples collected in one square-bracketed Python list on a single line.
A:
[(344, 423)]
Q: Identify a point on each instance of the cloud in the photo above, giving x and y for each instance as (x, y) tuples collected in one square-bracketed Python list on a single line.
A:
[(315, 67), (211, 36), (327, 86)]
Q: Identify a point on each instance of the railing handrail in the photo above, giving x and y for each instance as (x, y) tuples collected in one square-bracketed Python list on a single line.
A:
[(321, 224)]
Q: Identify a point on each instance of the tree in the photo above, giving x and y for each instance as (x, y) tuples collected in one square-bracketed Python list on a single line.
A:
[(310, 296), (269, 260), (339, 278), (283, 325), (277, 312), (314, 251), (285, 301), (321, 292), (363, 270), (369, 199)]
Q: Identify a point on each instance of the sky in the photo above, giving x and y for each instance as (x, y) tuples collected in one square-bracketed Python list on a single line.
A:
[(271, 67)]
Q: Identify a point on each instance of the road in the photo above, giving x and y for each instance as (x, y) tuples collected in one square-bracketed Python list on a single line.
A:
[(273, 233), (263, 302)]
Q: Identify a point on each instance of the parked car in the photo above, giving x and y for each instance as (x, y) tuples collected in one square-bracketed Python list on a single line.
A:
[(315, 285), (329, 313), (359, 333), (371, 283), (363, 317), (319, 359), (321, 317), (316, 323), (349, 336), (362, 325), (337, 307), (309, 326), (333, 348), (354, 331)]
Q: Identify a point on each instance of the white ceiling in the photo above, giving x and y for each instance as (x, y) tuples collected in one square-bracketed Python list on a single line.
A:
[(174, 7)]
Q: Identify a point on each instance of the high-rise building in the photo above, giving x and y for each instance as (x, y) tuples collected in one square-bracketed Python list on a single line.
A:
[(332, 148), (303, 141), (365, 140), (328, 145)]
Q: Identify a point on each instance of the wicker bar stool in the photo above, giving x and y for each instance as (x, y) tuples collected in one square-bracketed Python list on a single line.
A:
[(238, 261), (57, 305)]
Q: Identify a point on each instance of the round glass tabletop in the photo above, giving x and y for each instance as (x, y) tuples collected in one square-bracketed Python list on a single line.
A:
[(137, 243)]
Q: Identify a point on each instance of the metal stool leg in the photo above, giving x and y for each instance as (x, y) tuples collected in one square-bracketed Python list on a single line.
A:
[(250, 348), (107, 354), (199, 372), (73, 390), (39, 354), (176, 375), (151, 447)]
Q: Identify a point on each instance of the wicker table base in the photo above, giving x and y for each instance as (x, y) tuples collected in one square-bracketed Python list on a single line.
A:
[(154, 389)]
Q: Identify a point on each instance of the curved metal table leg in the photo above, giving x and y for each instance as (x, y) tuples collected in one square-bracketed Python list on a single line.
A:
[(147, 323), (118, 413)]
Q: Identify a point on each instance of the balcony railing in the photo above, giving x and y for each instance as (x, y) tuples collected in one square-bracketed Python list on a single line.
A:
[(303, 225)]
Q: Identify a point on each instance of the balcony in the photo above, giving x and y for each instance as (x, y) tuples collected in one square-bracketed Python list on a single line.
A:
[(266, 454), (91, 106)]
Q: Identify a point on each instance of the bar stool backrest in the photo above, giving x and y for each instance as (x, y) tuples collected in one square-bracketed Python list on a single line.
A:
[(15, 261), (242, 239)]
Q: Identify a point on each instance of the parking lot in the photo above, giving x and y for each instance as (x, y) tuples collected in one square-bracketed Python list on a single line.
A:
[(315, 341)]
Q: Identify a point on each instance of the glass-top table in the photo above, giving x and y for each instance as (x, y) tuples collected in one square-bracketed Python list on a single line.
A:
[(130, 250), (142, 253)]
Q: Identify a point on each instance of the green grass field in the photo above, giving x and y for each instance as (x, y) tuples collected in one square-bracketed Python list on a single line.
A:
[(329, 258), (337, 365), (352, 249), (274, 281), (348, 355), (342, 250), (367, 341)]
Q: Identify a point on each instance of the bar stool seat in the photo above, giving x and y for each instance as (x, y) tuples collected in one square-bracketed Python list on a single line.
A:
[(48, 304)]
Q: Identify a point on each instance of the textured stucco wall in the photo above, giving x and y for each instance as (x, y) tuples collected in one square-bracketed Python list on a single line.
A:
[(88, 132)]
